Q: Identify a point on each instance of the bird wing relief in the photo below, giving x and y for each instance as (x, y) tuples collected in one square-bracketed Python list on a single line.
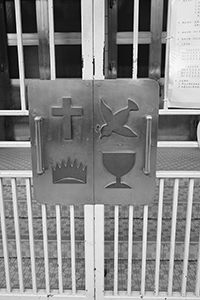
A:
[(116, 122)]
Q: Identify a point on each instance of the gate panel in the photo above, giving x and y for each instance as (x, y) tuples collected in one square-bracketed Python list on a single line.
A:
[(62, 145), (126, 117)]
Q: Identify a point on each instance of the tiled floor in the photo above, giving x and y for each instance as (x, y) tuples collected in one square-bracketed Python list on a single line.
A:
[(168, 159)]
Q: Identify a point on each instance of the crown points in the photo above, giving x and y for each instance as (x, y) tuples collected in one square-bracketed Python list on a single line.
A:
[(69, 172)]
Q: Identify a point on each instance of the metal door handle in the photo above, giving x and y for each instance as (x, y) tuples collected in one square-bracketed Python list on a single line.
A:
[(38, 143), (147, 163)]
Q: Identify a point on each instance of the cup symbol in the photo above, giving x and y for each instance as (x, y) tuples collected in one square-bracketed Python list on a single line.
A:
[(118, 164)]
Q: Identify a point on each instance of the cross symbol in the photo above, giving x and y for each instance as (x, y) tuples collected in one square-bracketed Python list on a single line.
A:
[(67, 111)]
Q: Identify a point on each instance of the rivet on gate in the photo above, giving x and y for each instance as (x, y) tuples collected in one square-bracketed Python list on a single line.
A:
[(99, 84)]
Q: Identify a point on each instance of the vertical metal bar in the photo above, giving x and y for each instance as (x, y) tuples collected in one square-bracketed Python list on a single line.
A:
[(20, 54), (99, 38), (51, 41), (197, 288), (130, 249), (87, 38), (59, 249), (187, 237), (17, 234), (99, 251), (144, 249), (45, 246), (43, 36), (173, 236), (89, 250), (38, 144), (4, 239), (87, 73), (135, 39), (156, 33), (159, 231), (5, 76), (31, 234), (167, 52), (116, 240), (73, 266), (106, 39), (112, 39), (147, 161)]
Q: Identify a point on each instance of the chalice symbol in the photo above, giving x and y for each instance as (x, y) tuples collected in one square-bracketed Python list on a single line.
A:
[(118, 164)]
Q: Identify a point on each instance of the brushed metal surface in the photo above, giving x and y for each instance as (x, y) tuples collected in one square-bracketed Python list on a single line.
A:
[(67, 160), (94, 141), (120, 111)]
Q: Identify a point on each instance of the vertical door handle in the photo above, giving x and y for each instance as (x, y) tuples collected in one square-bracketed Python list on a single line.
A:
[(38, 143), (147, 162)]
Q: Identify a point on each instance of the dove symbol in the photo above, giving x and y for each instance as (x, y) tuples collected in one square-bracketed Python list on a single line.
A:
[(116, 122)]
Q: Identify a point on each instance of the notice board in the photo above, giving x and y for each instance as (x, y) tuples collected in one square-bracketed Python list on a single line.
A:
[(183, 40)]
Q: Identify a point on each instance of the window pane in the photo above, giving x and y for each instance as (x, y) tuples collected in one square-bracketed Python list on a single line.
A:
[(67, 15), (10, 16), (68, 61), (13, 62), (163, 60), (28, 16), (143, 61), (165, 9), (144, 15), (125, 15), (28, 12), (31, 61), (124, 69)]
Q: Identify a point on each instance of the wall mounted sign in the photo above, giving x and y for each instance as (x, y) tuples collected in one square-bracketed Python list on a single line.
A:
[(94, 141), (184, 54)]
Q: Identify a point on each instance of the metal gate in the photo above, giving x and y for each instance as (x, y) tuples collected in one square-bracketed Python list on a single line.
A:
[(97, 251)]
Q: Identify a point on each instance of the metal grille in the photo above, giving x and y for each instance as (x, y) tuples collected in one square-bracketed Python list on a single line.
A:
[(116, 251)]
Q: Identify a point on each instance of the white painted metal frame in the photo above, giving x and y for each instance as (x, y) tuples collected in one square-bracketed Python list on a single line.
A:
[(52, 40), (20, 53), (17, 234), (92, 50), (135, 38)]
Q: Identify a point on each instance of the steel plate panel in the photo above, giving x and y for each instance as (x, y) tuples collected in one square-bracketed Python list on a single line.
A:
[(66, 109), (121, 108)]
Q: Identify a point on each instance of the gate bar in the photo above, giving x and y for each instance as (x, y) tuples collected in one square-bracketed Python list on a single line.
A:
[(17, 234), (59, 248), (87, 38), (166, 75), (20, 53), (116, 240), (130, 249), (4, 239), (89, 250), (144, 249), (173, 236), (99, 248), (135, 38), (73, 253), (51, 41), (45, 245), (197, 289), (99, 38), (187, 236), (159, 233), (31, 233)]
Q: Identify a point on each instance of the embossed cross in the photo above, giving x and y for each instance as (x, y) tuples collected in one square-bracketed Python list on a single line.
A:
[(67, 112)]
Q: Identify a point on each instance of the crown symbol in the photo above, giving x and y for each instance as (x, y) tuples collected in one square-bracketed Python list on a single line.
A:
[(69, 172)]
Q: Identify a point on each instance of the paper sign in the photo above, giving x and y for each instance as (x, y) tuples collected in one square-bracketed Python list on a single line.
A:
[(184, 54)]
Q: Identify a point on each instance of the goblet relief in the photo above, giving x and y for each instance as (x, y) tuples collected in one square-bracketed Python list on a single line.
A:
[(118, 163)]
